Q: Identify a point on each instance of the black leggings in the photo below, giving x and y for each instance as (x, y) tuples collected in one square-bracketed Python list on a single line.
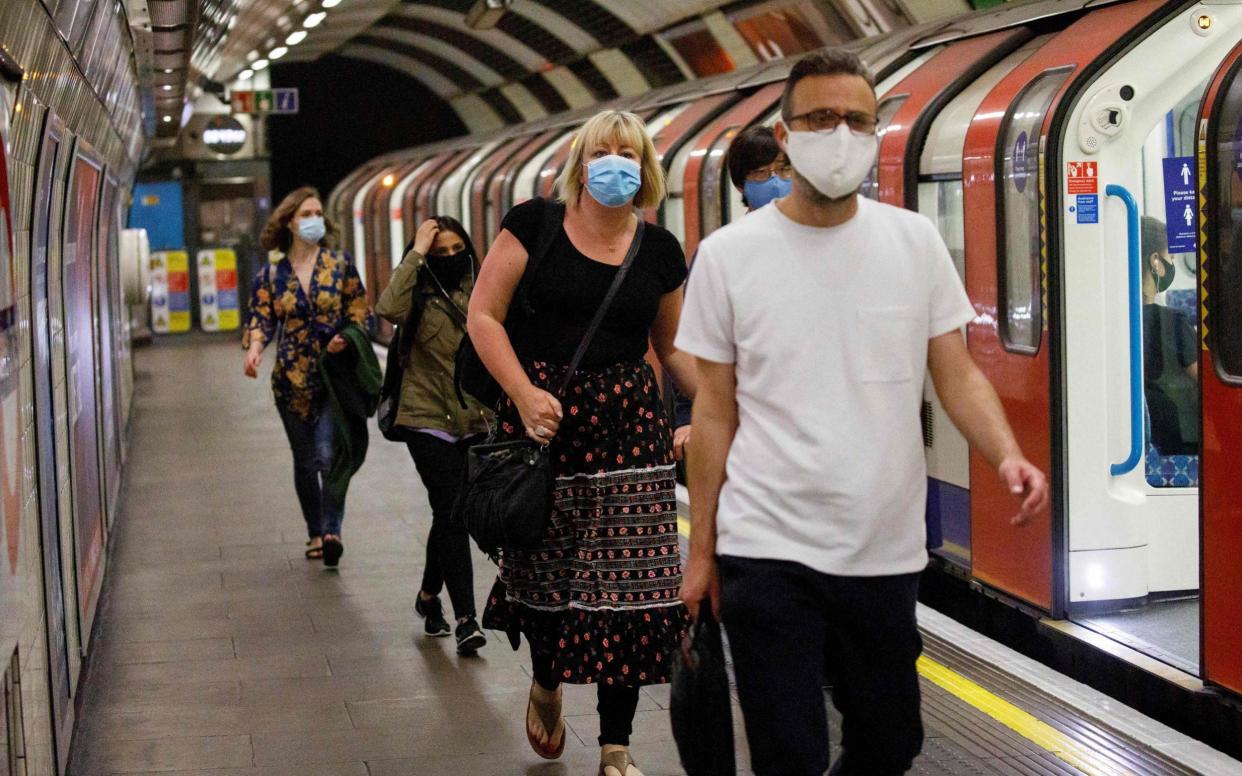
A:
[(616, 703), (439, 464)]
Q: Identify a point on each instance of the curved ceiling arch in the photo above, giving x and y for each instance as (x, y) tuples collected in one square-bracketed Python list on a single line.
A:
[(443, 49), (516, 49)]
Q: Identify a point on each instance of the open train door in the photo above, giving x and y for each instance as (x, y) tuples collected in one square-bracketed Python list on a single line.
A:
[(1220, 367)]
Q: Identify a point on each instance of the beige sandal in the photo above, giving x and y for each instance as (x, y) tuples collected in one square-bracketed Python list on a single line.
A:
[(619, 759), (549, 715)]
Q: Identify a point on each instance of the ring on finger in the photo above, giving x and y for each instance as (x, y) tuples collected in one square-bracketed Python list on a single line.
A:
[(542, 431)]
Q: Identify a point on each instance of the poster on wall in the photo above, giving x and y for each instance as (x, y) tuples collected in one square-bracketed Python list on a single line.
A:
[(170, 292), (217, 290), (83, 411)]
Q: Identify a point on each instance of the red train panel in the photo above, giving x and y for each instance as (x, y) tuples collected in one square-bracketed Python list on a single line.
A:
[(1220, 490)]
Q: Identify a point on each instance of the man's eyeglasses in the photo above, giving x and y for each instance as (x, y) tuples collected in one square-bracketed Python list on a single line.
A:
[(780, 169), (826, 120)]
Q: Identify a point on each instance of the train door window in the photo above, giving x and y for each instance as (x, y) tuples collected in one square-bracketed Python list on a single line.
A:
[(942, 202), (885, 112), (13, 744), (714, 185), (1021, 254), (1170, 274), (1226, 297)]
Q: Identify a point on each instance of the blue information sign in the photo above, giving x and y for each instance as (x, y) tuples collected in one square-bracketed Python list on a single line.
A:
[(1180, 214), (286, 100), (1087, 208)]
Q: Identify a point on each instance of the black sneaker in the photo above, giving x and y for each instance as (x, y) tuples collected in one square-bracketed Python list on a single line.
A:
[(332, 551), (432, 613), (470, 637)]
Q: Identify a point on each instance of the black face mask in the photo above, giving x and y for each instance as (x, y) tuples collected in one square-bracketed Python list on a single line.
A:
[(450, 269)]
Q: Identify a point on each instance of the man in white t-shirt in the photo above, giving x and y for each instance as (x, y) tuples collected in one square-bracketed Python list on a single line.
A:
[(813, 320)]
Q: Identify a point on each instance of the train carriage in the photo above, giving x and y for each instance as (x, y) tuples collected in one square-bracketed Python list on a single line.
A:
[(1037, 138)]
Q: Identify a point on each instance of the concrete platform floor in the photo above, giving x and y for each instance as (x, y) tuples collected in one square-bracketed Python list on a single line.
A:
[(221, 650)]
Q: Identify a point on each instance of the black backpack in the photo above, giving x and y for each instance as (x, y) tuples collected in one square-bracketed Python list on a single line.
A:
[(470, 376)]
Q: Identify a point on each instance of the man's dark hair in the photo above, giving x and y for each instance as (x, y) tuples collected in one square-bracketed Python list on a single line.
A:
[(753, 148), (833, 61), (1154, 239)]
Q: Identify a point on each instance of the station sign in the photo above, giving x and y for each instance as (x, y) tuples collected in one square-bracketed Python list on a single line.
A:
[(170, 292), (217, 290), (265, 101), (224, 135)]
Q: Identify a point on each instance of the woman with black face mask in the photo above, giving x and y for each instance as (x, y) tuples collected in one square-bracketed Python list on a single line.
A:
[(427, 298)]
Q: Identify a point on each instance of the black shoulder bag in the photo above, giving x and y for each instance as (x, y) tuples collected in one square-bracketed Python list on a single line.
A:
[(506, 497), (470, 376)]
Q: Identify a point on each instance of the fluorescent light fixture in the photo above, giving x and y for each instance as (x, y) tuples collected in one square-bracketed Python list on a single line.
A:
[(313, 21), (168, 87), (167, 119), (259, 65), (484, 14), (277, 52), (295, 38), (331, 3), (245, 75), (252, 56)]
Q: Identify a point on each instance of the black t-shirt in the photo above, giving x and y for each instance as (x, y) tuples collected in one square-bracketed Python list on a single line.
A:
[(568, 288), (1169, 348)]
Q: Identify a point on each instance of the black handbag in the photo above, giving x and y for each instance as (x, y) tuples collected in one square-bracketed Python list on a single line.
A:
[(505, 500), (390, 393), (470, 376), (701, 709)]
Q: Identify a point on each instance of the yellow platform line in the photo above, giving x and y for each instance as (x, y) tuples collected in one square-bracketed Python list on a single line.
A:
[(1025, 724)]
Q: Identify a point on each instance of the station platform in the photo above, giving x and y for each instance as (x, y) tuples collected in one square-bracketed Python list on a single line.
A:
[(221, 650)]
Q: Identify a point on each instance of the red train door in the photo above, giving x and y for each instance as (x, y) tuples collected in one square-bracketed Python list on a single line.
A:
[(1220, 368), (1007, 262)]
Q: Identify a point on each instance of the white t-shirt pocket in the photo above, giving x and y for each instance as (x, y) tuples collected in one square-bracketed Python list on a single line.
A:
[(885, 337)]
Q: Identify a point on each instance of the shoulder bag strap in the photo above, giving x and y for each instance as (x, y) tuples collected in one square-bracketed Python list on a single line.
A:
[(607, 303)]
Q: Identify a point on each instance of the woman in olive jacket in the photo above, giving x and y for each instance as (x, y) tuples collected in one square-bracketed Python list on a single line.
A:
[(427, 298)]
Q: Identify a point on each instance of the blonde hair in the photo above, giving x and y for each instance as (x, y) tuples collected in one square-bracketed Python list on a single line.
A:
[(625, 129)]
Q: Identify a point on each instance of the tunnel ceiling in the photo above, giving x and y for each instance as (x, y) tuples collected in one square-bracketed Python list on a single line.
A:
[(542, 57)]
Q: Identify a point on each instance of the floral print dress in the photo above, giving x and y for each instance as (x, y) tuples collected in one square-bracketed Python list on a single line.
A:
[(311, 318)]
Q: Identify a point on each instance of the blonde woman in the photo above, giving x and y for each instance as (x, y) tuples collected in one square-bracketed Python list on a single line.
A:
[(597, 599)]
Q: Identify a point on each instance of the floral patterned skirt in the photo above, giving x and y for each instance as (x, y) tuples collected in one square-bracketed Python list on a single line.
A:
[(598, 596)]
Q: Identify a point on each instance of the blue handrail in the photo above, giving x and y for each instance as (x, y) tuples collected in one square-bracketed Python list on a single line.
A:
[(1136, 331)]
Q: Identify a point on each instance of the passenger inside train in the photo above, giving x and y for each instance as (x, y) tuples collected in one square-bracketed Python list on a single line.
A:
[(1170, 357)]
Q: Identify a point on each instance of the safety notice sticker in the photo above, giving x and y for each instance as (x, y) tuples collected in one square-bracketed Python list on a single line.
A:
[(1180, 198), (1083, 177), (1087, 208)]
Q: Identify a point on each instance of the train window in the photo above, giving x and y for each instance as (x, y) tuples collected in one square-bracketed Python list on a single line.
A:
[(885, 112), (1170, 292), (942, 202), (1021, 246), (1226, 274)]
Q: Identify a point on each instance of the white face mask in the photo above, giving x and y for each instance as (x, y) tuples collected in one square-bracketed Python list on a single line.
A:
[(836, 163)]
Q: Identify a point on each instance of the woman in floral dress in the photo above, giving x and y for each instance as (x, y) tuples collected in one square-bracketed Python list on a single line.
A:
[(597, 598), (311, 294)]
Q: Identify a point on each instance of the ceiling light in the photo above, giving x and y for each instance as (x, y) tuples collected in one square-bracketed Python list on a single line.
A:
[(252, 56), (245, 75), (484, 14), (296, 38), (168, 87), (283, 22), (232, 22), (277, 52), (331, 3), (169, 70), (167, 119), (259, 65), (313, 20)]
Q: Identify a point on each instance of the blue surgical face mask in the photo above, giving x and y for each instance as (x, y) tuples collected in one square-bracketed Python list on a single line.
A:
[(312, 229), (761, 193), (613, 180)]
